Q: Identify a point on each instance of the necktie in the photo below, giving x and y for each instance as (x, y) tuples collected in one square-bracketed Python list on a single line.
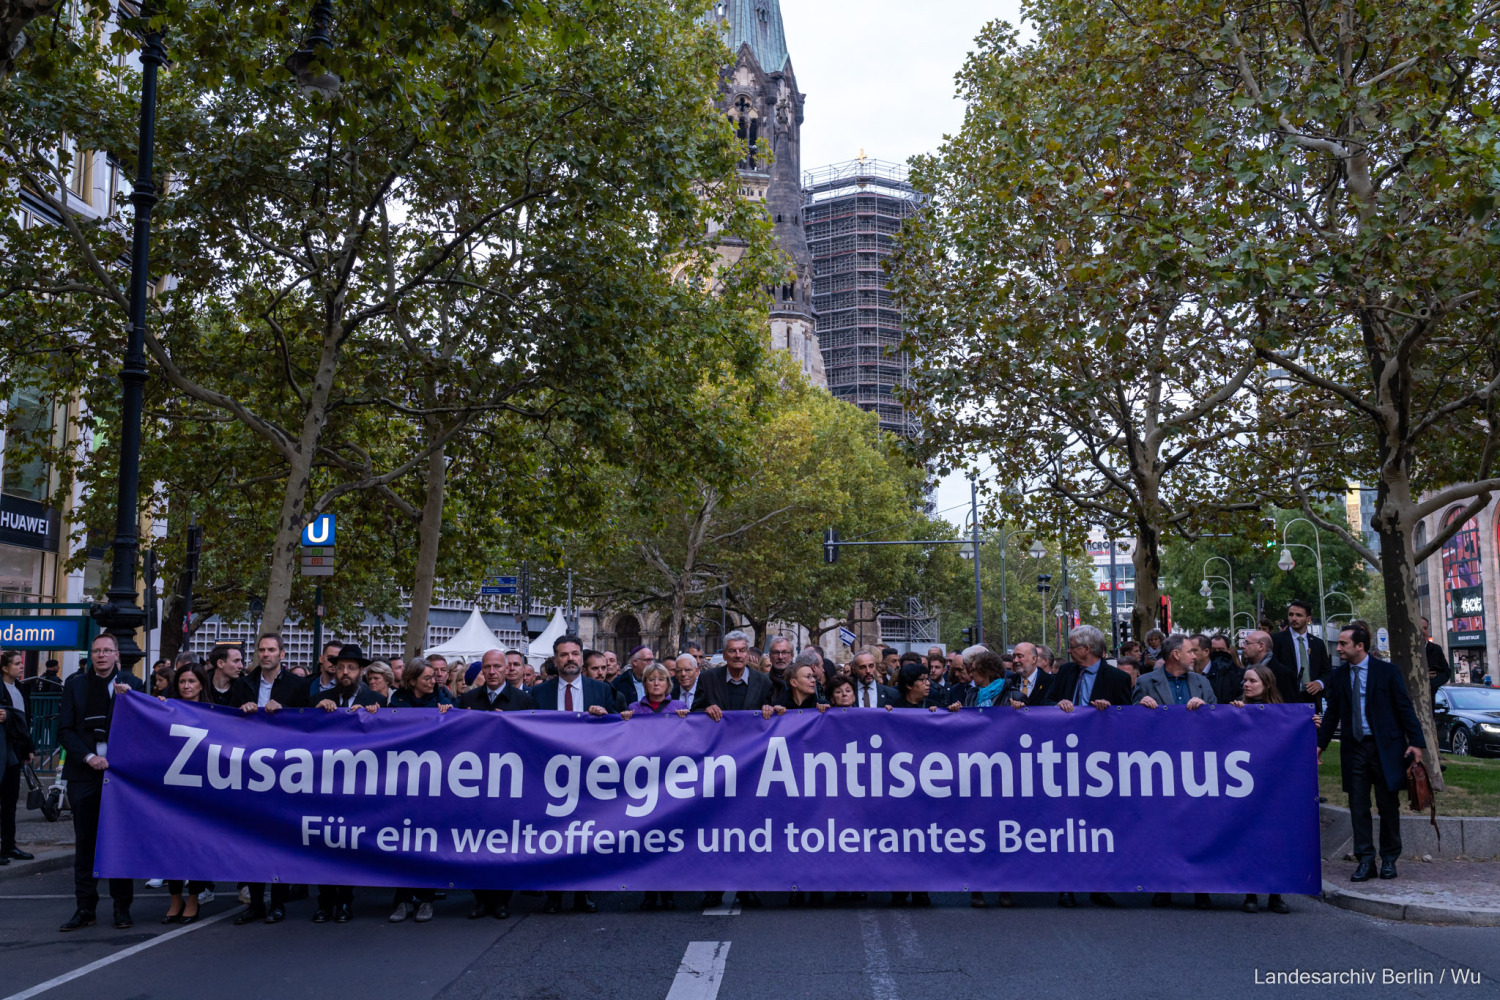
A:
[(1302, 658), (568, 701), (867, 696), (1026, 688), (1359, 703)]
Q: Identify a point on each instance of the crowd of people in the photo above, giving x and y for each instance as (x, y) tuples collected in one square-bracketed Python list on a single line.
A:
[(1365, 696)]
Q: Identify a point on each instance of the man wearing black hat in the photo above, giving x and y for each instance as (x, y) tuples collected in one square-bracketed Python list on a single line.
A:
[(336, 902), (49, 680)]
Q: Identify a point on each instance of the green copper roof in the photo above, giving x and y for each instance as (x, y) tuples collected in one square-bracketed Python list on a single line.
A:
[(757, 22)]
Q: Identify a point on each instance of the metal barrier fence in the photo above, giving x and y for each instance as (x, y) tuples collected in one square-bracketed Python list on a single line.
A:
[(45, 706)]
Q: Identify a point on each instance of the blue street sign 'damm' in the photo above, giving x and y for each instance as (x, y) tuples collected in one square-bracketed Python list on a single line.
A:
[(44, 633)]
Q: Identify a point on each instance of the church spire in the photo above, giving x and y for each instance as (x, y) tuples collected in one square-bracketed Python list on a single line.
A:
[(758, 24)]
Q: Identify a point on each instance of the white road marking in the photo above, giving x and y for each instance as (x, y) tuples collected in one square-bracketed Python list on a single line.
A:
[(701, 971), (906, 937), (83, 970), (723, 910), (877, 964), (69, 895)]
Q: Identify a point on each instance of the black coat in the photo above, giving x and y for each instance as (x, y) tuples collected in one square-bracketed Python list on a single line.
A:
[(287, 690), (1040, 690), (713, 688), (595, 692), (70, 732), (1438, 670), (239, 692), (363, 697), (1392, 720), (17, 731), (884, 695), (509, 700), (624, 686), (1112, 684), (1319, 664)]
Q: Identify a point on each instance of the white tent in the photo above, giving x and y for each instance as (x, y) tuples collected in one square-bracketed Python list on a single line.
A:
[(473, 641), (541, 648)]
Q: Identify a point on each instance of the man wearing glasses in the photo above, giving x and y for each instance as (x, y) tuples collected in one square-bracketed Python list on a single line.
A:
[(629, 684)]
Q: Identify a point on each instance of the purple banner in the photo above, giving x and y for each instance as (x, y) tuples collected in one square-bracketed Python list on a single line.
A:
[(1129, 799)]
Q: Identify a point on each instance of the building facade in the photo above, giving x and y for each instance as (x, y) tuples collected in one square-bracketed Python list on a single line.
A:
[(852, 212), (759, 94), (1457, 588)]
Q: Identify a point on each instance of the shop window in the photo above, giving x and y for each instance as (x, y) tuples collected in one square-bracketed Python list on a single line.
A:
[(28, 429)]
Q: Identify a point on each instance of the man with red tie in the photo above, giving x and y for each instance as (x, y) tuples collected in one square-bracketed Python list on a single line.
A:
[(570, 691)]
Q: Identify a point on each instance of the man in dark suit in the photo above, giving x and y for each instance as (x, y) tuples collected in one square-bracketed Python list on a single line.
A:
[(226, 684), (322, 678), (1027, 685), (1438, 670), (494, 694), (1259, 652), (88, 705), (49, 681), (570, 691), (271, 688), (868, 692), (1085, 679), (628, 683), (1380, 730), (336, 902), (1305, 652), (685, 683), (731, 688)]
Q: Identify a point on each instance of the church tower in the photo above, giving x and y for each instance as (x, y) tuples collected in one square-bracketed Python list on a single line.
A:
[(759, 94)]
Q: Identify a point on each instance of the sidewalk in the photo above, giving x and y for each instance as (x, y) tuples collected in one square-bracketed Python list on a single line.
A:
[(52, 843), (1442, 891)]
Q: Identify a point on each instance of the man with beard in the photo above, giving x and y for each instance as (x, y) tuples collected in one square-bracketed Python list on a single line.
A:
[(336, 902)]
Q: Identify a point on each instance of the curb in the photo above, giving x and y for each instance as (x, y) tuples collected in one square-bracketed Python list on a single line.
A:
[(1397, 909), (46, 861)]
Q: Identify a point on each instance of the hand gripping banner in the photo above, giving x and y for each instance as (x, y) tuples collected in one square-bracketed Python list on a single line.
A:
[(1221, 799)]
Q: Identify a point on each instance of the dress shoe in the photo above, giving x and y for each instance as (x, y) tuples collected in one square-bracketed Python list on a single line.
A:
[(4, 861), (249, 915), (343, 913), (713, 899), (1066, 899), (424, 912), (750, 900), (122, 918), (976, 900), (1201, 901), (401, 912), (79, 919), (480, 910), (1005, 901), (1364, 871), (1277, 905), (1250, 905), (1160, 899), (275, 914), (584, 903), (502, 912), (19, 855), (1388, 868), (1102, 899), (321, 916), (189, 920), (174, 918)]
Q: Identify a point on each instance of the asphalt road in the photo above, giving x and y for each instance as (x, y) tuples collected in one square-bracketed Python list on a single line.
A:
[(869, 951)]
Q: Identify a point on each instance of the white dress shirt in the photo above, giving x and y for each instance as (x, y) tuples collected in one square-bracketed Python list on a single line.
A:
[(562, 693)]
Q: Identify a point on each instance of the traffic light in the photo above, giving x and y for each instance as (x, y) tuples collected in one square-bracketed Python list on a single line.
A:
[(1164, 619), (830, 546), (1124, 631), (968, 635)]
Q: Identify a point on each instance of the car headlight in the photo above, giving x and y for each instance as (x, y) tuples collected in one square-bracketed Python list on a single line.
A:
[(1487, 727)]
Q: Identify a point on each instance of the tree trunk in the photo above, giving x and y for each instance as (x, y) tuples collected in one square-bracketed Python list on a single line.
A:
[(429, 538), (1403, 609), (1147, 560), (284, 554)]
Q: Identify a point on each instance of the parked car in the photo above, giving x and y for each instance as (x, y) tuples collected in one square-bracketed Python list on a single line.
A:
[(1468, 719)]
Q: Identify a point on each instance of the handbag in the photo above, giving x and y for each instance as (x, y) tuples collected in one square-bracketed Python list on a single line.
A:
[(1419, 794), (34, 792)]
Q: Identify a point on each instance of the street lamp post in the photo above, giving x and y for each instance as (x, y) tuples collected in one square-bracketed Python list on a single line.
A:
[(1207, 591), (1286, 563), (978, 596), (121, 616)]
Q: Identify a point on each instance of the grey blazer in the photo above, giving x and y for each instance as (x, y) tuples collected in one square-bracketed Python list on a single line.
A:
[(1155, 685)]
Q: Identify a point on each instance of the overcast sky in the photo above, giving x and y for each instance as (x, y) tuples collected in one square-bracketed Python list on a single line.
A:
[(878, 76)]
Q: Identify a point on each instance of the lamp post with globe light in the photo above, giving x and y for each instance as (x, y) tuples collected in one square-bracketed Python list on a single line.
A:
[(1207, 589), (1286, 563)]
